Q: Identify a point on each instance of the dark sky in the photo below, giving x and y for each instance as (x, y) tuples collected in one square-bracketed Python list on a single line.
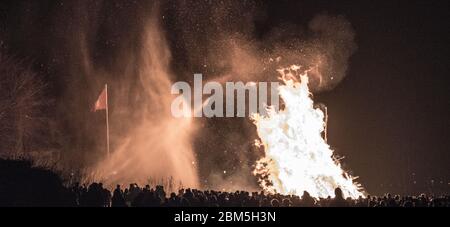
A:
[(390, 114), (389, 117)]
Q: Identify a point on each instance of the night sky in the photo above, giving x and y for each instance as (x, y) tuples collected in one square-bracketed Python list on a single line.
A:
[(389, 116)]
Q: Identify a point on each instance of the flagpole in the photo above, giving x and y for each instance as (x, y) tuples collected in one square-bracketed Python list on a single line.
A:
[(107, 121)]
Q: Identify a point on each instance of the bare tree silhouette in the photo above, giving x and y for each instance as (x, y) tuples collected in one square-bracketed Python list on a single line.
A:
[(22, 103)]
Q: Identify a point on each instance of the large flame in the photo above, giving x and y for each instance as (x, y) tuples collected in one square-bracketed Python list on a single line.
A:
[(297, 157)]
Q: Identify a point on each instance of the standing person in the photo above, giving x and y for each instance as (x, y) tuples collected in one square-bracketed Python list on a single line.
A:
[(338, 200), (118, 199)]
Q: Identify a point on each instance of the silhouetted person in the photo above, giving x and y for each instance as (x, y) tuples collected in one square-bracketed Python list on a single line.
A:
[(95, 196), (118, 199), (275, 203), (338, 200), (106, 196), (307, 200)]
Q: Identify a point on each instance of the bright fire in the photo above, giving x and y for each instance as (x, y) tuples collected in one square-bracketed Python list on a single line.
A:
[(297, 158)]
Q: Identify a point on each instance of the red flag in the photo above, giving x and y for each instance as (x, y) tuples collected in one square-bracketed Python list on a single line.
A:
[(101, 103)]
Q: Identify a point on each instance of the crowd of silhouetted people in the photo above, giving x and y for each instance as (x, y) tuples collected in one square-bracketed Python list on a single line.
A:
[(135, 196), (21, 184)]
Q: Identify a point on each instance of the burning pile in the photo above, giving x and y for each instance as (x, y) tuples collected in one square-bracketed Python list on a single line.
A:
[(297, 158)]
